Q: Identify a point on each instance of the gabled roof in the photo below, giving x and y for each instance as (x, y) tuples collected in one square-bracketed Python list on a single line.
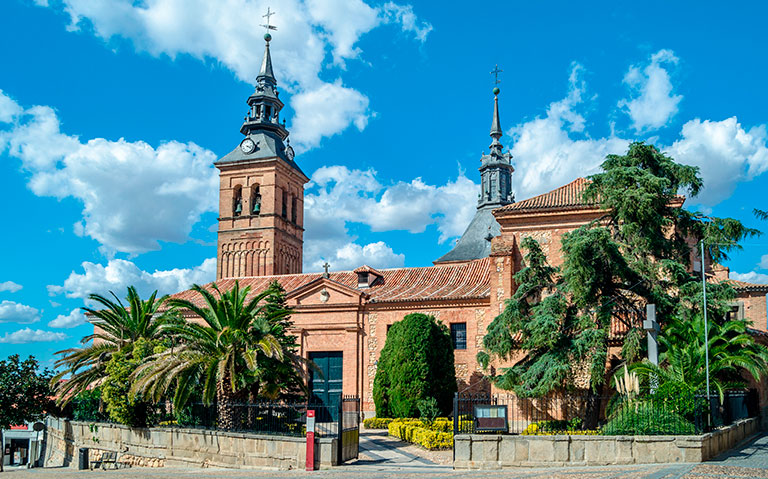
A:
[(367, 269), (450, 282), (566, 197)]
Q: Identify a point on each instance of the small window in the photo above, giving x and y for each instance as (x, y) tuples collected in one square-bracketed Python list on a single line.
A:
[(293, 209), (285, 204), (459, 335)]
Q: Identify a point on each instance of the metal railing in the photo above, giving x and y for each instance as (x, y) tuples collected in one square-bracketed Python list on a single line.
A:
[(593, 414)]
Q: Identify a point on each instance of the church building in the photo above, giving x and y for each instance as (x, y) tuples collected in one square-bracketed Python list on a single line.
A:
[(341, 318)]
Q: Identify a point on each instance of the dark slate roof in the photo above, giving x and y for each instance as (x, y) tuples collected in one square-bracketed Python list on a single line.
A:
[(267, 147), (474, 244)]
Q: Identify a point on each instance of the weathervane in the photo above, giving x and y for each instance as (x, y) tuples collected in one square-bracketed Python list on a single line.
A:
[(267, 25), (495, 73)]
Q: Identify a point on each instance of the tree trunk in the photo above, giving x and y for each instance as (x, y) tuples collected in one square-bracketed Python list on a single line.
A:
[(229, 406)]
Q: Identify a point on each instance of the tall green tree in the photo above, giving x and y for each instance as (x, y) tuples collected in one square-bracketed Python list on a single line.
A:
[(25, 394), (117, 326), (415, 364), (637, 253), (226, 349)]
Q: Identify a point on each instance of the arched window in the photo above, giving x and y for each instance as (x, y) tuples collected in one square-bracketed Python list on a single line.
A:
[(293, 208), (255, 200), (237, 201)]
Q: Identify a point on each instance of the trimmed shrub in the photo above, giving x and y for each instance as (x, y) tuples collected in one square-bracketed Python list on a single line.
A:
[(645, 419), (377, 422), (416, 363), (428, 436)]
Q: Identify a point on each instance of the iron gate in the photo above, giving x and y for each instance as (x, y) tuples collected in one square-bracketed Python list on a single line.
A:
[(349, 428)]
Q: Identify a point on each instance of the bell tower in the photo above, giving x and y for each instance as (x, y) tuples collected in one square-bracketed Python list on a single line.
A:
[(261, 191)]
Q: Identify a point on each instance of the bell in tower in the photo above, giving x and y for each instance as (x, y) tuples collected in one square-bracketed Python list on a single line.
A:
[(261, 180)]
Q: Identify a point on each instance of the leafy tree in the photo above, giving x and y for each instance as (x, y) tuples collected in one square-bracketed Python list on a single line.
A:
[(763, 215), (227, 352), (280, 376), (24, 394), (416, 364), (116, 328), (121, 405), (637, 253)]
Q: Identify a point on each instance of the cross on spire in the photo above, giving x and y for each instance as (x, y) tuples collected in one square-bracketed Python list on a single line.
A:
[(267, 16), (495, 72), (326, 267)]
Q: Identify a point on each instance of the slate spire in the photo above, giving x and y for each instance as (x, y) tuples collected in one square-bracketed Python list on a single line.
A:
[(496, 167), (264, 104), (265, 73)]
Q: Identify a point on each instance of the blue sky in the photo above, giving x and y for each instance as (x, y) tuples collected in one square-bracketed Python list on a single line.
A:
[(112, 112)]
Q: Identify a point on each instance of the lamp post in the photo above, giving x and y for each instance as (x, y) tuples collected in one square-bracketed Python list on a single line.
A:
[(706, 326)]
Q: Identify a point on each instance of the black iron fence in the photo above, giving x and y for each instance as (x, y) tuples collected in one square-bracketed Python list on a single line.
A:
[(607, 415), (263, 417)]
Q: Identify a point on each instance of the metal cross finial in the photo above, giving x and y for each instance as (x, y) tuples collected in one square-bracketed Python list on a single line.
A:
[(267, 25), (326, 267), (495, 73)]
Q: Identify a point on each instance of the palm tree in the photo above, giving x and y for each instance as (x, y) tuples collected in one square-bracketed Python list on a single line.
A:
[(116, 328), (732, 350), (223, 354)]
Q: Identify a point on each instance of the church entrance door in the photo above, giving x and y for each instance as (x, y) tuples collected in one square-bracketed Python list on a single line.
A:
[(325, 385)]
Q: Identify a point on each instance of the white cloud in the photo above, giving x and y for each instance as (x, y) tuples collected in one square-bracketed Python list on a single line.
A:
[(553, 150), (352, 255), (227, 31), (763, 262), (74, 318), (751, 277), (403, 14), (10, 285), (13, 312), (725, 153), (325, 111), (133, 195), (118, 274), (28, 335), (337, 196), (652, 104)]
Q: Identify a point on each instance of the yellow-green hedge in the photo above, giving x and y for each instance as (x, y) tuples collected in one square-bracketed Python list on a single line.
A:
[(377, 422), (429, 436), (535, 430)]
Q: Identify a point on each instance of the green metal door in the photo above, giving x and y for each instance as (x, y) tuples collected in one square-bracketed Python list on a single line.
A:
[(325, 385)]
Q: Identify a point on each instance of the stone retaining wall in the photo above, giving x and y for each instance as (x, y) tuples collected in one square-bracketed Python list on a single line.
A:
[(481, 451), (165, 446)]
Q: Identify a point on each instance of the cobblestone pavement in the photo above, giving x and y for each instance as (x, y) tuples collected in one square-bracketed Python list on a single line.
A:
[(381, 461)]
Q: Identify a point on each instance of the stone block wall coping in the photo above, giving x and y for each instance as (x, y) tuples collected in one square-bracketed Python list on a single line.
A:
[(481, 451)]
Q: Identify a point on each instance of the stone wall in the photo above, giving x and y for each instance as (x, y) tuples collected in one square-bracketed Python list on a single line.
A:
[(479, 451), (163, 446)]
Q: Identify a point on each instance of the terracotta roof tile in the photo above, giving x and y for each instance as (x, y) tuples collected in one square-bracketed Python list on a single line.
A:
[(744, 287), (565, 197), (367, 269), (469, 280)]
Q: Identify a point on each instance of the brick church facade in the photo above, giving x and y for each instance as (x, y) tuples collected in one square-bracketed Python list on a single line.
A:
[(342, 317)]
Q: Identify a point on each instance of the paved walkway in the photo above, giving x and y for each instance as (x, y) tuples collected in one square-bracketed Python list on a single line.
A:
[(380, 452)]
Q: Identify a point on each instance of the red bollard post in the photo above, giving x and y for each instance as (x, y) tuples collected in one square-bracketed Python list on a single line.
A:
[(310, 439)]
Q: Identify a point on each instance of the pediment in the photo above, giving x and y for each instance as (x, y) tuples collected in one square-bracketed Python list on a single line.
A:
[(324, 291)]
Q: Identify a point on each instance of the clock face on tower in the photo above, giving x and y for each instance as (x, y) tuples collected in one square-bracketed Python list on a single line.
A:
[(248, 146)]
